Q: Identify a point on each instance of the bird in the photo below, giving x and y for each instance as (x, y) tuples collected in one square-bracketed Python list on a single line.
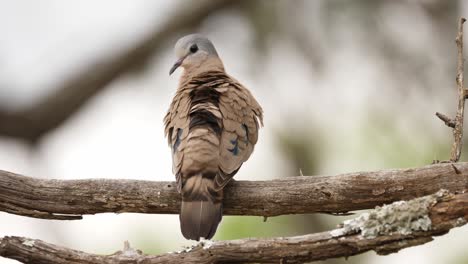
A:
[(212, 127)]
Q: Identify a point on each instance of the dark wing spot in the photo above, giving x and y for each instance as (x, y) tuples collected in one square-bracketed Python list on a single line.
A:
[(177, 141), (235, 149), (246, 132), (169, 135)]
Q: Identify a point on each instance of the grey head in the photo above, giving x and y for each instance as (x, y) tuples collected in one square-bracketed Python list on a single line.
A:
[(192, 50)]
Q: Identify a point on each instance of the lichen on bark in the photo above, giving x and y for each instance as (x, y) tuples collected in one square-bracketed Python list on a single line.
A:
[(402, 217)]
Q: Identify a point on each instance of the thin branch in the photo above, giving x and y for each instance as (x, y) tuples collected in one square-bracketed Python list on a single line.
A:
[(458, 130), (69, 199), (457, 123), (447, 120), (432, 215), (32, 123)]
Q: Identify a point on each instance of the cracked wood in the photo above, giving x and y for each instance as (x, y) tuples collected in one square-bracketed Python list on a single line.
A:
[(450, 210), (70, 199)]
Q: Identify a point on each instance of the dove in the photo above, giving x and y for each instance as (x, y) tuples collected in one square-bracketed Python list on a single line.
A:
[(212, 127)]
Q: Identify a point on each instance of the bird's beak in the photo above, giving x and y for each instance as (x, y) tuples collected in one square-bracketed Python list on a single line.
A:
[(176, 65)]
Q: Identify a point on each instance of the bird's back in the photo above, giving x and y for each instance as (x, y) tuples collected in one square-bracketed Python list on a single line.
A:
[(212, 127)]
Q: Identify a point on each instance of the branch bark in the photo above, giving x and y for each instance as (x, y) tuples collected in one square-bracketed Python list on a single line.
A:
[(32, 123), (443, 212), (457, 123), (70, 199)]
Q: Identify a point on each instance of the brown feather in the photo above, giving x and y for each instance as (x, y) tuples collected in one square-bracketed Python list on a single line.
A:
[(212, 127)]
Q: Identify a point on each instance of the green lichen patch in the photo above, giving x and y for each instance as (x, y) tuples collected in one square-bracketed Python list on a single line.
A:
[(402, 217)]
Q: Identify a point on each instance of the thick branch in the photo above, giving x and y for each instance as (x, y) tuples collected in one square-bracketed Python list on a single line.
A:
[(440, 212), (32, 123), (69, 199)]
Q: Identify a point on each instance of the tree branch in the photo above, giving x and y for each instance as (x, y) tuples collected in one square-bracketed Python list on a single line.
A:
[(430, 216), (447, 120), (458, 130), (32, 123), (457, 123), (69, 199)]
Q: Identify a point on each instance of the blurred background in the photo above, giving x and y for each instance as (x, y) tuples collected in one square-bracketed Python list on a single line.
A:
[(345, 85)]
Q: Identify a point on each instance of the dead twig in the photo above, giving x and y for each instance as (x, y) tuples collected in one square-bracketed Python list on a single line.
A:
[(457, 122)]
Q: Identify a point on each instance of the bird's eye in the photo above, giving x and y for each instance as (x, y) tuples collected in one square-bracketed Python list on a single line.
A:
[(194, 48)]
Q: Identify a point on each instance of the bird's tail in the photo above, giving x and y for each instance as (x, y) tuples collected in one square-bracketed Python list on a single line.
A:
[(202, 208)]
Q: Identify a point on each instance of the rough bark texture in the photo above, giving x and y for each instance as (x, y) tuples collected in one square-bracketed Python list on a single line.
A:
[(32, 123), (69, 199), (446, 212)]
